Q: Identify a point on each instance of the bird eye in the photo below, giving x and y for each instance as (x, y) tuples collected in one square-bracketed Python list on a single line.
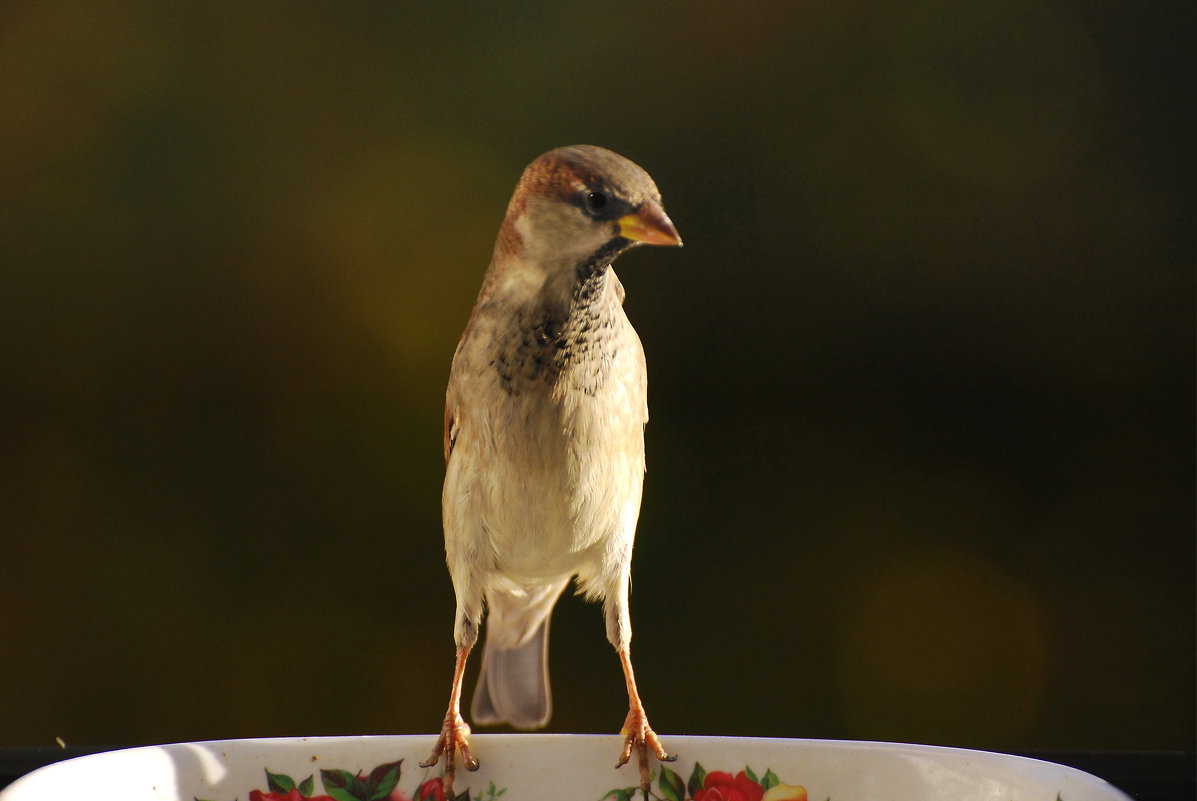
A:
[(595, 200)]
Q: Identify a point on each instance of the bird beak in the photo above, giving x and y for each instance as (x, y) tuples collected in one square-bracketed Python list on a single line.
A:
[(648, 224)]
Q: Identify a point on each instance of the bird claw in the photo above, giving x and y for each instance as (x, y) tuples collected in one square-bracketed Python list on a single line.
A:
[(455, 737), (638, 735)]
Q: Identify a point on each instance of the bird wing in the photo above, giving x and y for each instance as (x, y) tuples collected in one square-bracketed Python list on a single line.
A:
[(450, 429)]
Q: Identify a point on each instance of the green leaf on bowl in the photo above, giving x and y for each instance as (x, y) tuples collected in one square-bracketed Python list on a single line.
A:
[(672, 786), (769, 779), (698, 777), (307, 787), (279, 782), (344, 786), (492, 792), (383, 780)]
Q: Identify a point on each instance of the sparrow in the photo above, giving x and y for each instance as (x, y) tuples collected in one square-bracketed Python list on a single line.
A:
[(544, 440)]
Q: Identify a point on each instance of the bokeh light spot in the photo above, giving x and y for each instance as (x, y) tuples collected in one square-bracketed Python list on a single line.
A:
[(944, 635)]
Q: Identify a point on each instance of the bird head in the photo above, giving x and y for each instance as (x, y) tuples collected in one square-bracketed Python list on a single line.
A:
[(582, 206)]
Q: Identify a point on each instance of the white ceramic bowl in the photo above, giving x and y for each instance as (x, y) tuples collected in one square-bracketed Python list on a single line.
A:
[(565, 767)]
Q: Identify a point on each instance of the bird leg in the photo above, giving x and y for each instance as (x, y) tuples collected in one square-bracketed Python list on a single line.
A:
[(636, 732), (455, 733)]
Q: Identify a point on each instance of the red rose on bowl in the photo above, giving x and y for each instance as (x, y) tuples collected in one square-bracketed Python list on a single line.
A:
[(431, 790), (722, 786)]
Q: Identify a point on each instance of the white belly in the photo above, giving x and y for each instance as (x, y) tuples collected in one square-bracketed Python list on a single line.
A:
[(546, 483)]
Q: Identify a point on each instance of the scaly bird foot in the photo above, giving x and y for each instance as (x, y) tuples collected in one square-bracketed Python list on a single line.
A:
[(639, 735), (455, 736)]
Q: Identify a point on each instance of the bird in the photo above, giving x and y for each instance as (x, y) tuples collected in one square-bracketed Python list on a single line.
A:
[(544, 441)]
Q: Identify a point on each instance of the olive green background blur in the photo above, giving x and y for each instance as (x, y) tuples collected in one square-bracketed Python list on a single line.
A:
[(921, 453)]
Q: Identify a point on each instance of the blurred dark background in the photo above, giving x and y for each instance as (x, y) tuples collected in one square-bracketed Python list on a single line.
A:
[(921, 461)]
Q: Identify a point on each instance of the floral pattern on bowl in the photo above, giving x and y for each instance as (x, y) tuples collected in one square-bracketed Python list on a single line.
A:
[(383, 784), (380, 784), (560, 767), (717, 785)]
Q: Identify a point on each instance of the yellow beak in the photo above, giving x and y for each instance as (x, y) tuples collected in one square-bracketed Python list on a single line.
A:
[(650, 225)]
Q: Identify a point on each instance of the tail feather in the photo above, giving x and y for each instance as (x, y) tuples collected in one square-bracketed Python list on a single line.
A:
[(513, 686)]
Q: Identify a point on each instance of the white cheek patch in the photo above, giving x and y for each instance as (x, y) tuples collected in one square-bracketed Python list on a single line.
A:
[(561, 234), (523, 227)]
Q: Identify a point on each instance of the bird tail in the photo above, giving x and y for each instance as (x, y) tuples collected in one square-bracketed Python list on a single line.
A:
[(513, 686)]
